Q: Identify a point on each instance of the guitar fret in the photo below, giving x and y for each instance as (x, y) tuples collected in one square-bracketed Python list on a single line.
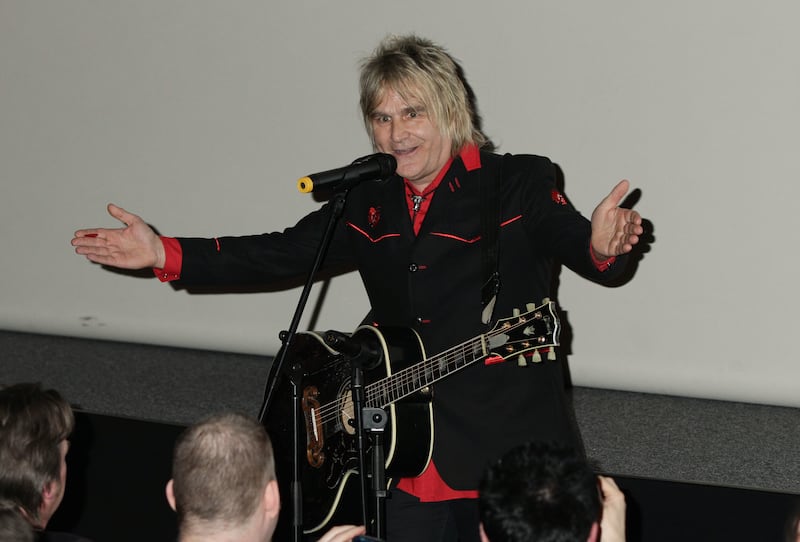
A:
[(413, 379)]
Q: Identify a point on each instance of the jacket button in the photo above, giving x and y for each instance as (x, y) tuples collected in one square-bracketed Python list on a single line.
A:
[(413, 268)]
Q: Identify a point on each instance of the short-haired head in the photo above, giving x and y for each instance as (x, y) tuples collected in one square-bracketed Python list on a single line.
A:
[(419, 70), (13, 526), (539, 492), (220, 469), (33, 424)]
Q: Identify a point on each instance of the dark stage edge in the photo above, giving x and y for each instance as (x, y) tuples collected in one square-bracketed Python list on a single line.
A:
[(643, 435), (118, 468)]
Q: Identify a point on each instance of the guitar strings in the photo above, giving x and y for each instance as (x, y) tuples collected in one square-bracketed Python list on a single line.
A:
[(447, 363), (330, 411)]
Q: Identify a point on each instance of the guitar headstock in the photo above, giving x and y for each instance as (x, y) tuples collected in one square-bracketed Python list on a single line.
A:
[(525, 336)]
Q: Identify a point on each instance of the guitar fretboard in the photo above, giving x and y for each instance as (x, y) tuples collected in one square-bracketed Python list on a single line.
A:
[(534, 330), (405, 382), (514, 336)]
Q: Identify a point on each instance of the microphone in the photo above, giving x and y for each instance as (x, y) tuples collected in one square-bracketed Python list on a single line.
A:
[(364, 352), (375, 167), (344, 344)]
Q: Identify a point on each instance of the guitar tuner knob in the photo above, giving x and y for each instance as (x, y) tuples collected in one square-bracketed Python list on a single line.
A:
[(551, 354), (530, 306), (521, 361), (537, 357)]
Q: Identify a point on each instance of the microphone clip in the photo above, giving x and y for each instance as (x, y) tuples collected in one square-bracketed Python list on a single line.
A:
[(361, 348)]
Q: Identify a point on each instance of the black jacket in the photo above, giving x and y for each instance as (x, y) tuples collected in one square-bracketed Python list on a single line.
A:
[(432, 283)]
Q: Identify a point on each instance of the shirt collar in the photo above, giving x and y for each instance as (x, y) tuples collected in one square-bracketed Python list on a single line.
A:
[(471, 158)]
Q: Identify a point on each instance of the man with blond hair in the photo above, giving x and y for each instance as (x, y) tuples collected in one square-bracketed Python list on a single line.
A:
[(421, 241)]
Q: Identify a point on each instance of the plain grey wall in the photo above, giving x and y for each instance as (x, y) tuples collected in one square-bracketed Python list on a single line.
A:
[(201, 116)]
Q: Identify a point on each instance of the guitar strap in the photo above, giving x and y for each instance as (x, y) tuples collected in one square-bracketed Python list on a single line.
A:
[(490, 240)]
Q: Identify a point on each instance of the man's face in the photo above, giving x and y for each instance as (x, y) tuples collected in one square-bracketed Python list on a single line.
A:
[(405, 130)]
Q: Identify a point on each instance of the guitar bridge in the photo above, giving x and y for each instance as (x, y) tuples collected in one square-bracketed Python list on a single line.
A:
[(314, 434)]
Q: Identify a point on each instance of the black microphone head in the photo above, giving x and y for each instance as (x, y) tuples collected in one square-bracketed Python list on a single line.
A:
[(388, 164)]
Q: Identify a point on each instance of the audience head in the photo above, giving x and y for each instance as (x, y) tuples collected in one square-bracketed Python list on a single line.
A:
[(420, 71), (539, 492), (13, 526), (34, 426), (223, 480)]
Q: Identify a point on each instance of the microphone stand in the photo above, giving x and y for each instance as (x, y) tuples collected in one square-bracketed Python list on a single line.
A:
[(364, 352), (295, 372), (375, 421), (357, 389)]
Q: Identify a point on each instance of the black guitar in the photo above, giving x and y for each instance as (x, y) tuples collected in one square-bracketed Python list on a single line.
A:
[(401, 385)]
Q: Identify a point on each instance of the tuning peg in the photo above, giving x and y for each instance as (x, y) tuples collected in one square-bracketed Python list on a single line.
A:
[(537, 357), (516, 312), (545, 301), (521, 361), (551, 354), (530, 306)]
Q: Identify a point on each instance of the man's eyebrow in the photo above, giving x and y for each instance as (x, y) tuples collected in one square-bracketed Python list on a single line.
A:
[(406, 110)]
